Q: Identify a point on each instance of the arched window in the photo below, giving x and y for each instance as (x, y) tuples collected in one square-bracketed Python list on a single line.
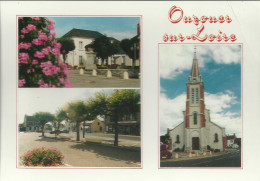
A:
[(195, 118), (216, 137), (177, 139)]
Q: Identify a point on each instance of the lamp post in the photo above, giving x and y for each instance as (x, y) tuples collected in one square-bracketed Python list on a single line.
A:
[(134, 47)]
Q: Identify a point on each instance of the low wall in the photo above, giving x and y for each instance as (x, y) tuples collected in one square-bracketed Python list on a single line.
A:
[(118, 72)]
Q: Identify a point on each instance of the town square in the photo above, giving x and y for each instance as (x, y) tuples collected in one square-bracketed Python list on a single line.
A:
[(85, 127)]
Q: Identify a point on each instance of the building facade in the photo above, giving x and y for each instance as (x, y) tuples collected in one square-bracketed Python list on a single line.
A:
[(87, 58), (129, 124), (31, 124), (197, 131), (94, 126)]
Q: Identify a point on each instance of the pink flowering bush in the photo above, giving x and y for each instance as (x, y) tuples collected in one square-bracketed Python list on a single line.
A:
[(39, 55), (42, 157)]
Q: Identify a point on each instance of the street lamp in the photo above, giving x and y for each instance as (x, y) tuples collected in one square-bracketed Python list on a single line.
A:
[(135, 48)]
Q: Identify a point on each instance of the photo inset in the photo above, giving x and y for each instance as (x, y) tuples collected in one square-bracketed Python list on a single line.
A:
[(97, 128), (200, 105), (79, 52)]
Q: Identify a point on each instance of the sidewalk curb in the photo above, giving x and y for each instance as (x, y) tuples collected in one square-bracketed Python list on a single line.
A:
[(192, 158)]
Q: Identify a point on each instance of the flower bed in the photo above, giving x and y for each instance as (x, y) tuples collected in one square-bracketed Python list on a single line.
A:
[(42, 157)]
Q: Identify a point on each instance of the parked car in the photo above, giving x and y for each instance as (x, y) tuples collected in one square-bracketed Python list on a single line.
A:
[(65, 131), (55, 131), (164, 152)]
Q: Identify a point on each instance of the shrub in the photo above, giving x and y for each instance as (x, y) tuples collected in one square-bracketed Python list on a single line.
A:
[(177, 149), (39, 55), (217, 150), (42, 157)]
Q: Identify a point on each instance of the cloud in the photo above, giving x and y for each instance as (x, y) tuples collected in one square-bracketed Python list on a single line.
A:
[(171, 111), (174, 59)]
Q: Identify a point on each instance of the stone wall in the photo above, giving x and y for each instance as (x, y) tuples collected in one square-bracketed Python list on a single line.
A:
[(118, 72)]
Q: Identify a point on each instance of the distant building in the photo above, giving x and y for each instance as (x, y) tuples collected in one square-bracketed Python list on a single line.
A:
[(94, 126), (31, 124), (129, 124), (87, 58), (231, 141)]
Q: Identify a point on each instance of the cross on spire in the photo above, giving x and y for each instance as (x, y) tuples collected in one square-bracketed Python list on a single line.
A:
[(195, 50)]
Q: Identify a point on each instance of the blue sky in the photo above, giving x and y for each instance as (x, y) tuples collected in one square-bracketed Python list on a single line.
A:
[(117, 27), (220, 67)]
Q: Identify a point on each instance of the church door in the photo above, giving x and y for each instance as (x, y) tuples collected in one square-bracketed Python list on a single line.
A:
[(195, 143)]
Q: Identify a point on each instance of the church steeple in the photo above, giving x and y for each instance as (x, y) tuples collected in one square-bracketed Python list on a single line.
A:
[(195, 71)]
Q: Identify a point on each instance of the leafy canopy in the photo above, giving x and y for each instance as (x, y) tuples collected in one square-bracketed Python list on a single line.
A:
[(44, 117), (104, 47)]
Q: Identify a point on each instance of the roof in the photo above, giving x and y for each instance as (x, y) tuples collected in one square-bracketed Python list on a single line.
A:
[(231, 137), (89, 34), (30, 118), (82, 33)]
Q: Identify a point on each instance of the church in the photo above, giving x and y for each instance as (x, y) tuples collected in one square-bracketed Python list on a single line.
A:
[(197, 131)]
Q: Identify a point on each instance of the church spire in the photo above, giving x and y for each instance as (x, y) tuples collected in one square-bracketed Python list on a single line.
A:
[(195, 71)]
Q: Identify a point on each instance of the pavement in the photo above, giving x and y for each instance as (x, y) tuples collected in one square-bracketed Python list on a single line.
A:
[(128, 142), (100, 81), (228, 158), (81, 154)]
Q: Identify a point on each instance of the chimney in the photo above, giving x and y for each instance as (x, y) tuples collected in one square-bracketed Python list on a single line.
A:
[(138, 29)]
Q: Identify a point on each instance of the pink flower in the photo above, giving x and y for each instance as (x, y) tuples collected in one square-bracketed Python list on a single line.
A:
[(64, 51), (21, 82), (42, 36), (50, 27), (56, 51), (28, 71), (25, 31), (31, 27), (36, 18), (24, 45), (62, 81), (66, 71), (39, 54), (35, 62), (22, 36), (37, 42), (67, 83), (23, 57), (54, 34), (46, 50), (20, 17)]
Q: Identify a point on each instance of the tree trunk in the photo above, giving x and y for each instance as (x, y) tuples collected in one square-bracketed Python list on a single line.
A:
[(43, 131), (116, 131), (84, 129), (78, 136)]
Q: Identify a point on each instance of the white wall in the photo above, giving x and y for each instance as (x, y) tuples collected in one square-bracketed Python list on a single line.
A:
[(179, 130)]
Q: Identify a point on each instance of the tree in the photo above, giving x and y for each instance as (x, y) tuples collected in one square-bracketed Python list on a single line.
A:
[(43, 118), (88, 116), (122, 102), (39, 55), (104, 47), (60, 116), (131, 47), (67, 44), (77, 111)]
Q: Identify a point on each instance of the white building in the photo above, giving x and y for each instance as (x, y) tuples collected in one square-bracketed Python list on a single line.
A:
[(197, 131), (80, 57)]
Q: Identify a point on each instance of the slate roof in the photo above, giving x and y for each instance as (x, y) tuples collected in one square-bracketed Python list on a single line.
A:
[(30, 118), (92, 34), (82, 33)]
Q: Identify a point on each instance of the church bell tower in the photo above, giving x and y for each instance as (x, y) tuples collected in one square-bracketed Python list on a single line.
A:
[(195, 107)]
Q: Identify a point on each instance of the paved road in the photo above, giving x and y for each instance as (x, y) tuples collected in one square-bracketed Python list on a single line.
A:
[(229, 160), (100, 81), (81, 154)]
